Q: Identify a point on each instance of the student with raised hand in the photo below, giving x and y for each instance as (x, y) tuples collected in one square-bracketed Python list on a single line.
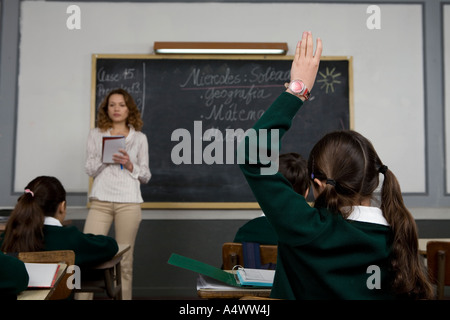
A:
[(295, 169), (13, 277), (342, 248), (35, 224)]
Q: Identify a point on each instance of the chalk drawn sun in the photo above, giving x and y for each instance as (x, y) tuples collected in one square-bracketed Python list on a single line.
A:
[(329, 80)]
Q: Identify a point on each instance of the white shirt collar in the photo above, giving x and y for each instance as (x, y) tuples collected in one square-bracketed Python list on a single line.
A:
[(50, 221), (368, 214), (130, 134)]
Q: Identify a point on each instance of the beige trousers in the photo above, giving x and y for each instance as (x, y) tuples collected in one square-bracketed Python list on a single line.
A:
[(127, 217)]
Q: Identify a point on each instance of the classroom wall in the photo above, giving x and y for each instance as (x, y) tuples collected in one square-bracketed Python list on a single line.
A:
[(55, 78), (395, 100), (401, 77), (446, 40)]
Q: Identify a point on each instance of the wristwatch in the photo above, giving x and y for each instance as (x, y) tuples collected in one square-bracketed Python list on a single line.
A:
[(298, 88)]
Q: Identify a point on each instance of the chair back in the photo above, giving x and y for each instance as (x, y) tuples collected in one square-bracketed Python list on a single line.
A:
[(438, 264), (233, 254), (58, 256)]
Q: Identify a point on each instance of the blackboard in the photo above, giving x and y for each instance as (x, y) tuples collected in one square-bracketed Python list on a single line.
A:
[(184, 96)]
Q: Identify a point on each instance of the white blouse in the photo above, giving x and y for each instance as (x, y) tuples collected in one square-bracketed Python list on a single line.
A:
[(111, 183)]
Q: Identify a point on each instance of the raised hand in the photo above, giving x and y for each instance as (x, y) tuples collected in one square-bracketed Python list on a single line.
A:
[(306, 63)]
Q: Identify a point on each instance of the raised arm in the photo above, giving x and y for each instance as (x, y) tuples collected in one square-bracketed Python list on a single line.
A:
[(288, 212)]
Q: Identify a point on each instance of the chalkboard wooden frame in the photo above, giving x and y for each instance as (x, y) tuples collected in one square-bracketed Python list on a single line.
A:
[(196, 204)]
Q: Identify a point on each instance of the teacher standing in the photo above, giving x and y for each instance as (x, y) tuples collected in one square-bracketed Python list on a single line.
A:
[(116, 194)]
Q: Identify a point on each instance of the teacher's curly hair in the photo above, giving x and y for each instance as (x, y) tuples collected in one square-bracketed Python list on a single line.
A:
[(104, 122)]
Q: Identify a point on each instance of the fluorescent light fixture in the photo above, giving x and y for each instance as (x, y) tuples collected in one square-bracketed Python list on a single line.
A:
[(279, 48)]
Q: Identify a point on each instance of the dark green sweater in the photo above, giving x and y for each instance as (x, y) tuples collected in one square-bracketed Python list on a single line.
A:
[(89, 249), (320, 254), (257, 230), (13, 276)]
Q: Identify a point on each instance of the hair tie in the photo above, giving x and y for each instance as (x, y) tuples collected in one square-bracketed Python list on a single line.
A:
[(30, 192), (382, 169), (331, 182)]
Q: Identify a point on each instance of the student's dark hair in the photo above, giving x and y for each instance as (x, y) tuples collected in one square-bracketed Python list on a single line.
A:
[(24, 230), (295, 169), (349, 165), (104, 122)]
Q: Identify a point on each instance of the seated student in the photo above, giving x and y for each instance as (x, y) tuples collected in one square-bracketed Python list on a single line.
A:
[(13, 276), (343, 247), (35, 224), (295, 169)]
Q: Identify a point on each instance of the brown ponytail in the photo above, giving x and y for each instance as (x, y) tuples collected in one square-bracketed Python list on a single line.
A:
[(410, 279), (24, 230), (350, 168)]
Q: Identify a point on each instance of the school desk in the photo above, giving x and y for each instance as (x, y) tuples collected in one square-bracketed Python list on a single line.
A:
[(111, 277), (46, 293), (111, 282), (208, 288)]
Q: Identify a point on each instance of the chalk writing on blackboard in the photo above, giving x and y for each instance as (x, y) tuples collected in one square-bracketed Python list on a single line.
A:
[(212, 101), (130, 78), (227, 93)]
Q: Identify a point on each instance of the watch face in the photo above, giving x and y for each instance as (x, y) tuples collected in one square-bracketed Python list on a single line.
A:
[(297, 87)]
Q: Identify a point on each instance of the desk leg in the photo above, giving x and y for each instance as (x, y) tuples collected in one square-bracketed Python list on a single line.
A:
[(113, 280), (119, 281)]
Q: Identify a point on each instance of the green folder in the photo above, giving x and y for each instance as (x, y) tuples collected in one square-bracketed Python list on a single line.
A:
[(248, 278), (203, 268)]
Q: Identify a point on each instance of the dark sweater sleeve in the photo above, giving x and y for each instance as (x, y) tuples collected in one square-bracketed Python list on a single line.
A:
[(93, 249), (294, 220), (89, 249), (13, 276)]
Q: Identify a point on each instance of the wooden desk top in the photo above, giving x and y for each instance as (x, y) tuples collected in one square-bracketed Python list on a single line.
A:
[(232, 294), (122, 249), (423, 244), (43, 294)]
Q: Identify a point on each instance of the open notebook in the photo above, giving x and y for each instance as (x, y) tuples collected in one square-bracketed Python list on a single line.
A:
[(111, 145), (41, 275), (242, 277)]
